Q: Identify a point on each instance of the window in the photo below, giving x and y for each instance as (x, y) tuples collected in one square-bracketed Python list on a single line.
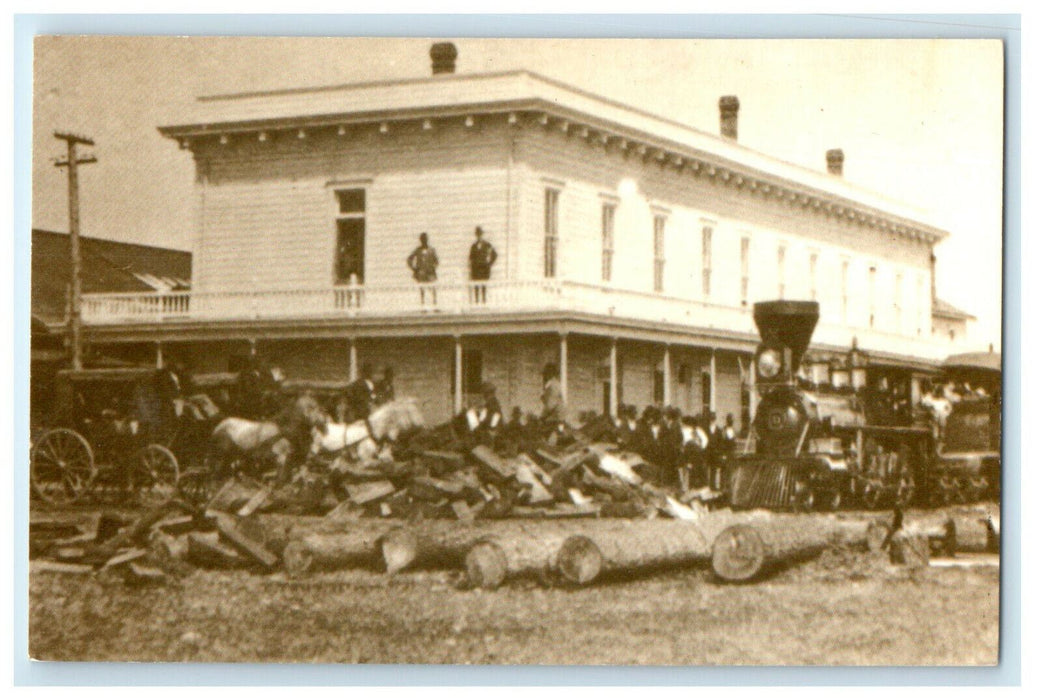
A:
[(745, 270), (872, 297), (919, 315), (607, 240), (813, 273), (898, 283), (707, 260), (550, 230), (350, 236), (660, 251), (781, 272), (844, 285)]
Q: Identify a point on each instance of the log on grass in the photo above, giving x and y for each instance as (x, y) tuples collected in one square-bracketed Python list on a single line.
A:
[(356, 547), (632, 546), (747, 550)]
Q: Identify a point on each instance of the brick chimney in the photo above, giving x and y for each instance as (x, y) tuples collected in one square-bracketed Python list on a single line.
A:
[(729, 117), (443, 57), (834, 160)]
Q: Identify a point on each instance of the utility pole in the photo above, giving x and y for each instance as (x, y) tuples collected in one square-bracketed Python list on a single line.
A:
[(72, 162)]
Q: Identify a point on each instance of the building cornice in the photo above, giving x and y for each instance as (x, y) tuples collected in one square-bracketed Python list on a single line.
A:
[(524, 98)]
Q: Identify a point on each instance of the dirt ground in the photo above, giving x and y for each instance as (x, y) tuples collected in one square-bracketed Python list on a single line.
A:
[(842, 608)]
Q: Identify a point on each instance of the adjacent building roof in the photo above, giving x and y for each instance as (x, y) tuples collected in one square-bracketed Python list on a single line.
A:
[(108, 266), (945, 310), (447, 95)]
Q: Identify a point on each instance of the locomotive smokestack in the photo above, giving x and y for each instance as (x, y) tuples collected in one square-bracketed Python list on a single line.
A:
[(788, 324)]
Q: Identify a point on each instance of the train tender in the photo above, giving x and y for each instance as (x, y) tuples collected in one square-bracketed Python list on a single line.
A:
[(839, 443)]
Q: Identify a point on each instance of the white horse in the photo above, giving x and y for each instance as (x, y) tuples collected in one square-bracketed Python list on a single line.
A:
[(365, 437), (278, 439)]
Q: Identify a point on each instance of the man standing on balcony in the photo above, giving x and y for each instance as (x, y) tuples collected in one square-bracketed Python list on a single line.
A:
[(423, 262), (482, 258)]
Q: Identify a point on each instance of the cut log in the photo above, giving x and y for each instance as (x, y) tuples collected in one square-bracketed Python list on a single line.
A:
[(234, 493), (352, 548), (125, 557), (492, 560), (631, 546), (206, 549), (910, 549), (462, 510), (747, 550)]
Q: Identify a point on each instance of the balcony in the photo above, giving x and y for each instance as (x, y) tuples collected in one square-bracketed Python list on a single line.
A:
[(413, 300)]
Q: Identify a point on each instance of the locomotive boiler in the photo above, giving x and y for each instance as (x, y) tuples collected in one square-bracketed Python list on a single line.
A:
[(816, 447)]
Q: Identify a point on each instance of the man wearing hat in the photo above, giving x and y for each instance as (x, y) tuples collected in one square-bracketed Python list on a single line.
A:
[(482, 258), (360, 395), (491, 415), (423, 261)]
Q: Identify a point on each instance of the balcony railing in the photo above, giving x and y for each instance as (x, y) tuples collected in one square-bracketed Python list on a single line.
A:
[(469, 299)]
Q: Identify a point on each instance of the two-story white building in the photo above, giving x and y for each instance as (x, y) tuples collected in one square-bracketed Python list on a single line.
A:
[(631, 247)]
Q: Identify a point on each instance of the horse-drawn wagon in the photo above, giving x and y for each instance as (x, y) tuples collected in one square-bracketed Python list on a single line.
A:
[(104, 433)]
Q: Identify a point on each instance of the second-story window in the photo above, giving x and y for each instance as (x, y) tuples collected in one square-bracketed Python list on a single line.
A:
[(781, 272), (745, 270), (898, 283), (707, 261), (844, 286), (872, 297), (812, 271), (607, 240), (349, 266), (660, 251), (550, 221)]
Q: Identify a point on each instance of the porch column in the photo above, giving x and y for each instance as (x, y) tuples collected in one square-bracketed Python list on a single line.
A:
[(352, 360), (613, 378), (667, 393), (712, 379), (457, 384), (159, 355), (754, 396), (564, 367)]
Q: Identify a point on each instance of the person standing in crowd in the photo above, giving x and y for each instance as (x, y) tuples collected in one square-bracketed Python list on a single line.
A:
[(423, 261), (671, 445), (360, 395), (488, 428), (385, 387), (714, 449), (693, 467), (553, 398), (482, 258)]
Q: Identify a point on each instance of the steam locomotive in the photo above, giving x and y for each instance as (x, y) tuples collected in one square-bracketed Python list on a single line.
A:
[(848, 443)]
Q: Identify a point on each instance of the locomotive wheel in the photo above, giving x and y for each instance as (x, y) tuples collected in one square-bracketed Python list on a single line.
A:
[(155, 475), (62, 467)]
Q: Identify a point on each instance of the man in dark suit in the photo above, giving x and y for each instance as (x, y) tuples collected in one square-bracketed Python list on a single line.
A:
[(482, 258), (360, 394)]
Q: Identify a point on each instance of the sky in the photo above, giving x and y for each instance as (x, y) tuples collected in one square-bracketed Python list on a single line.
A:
[(920, 121)]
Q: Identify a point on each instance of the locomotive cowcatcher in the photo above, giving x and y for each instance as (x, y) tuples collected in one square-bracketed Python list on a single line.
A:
[(823, 447)]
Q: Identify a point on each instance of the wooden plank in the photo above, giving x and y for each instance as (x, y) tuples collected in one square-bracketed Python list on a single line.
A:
[(227, 526), (125, 557), (205, 548), (56, 567), (369, 491), (498, 467)]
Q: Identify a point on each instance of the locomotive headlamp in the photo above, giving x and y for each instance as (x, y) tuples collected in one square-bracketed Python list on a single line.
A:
[(769, 363)]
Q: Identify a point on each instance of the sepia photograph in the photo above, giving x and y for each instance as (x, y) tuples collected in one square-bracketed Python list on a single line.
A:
[(657, 352)]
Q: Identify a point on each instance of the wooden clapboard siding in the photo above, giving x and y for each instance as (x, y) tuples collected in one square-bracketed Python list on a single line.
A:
[(422, 368), (728, 388), (269, 216), (585, 174), (326, 360), (585, 356)]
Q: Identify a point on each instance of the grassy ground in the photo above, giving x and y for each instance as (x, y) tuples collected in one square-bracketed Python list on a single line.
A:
[(843, 608)]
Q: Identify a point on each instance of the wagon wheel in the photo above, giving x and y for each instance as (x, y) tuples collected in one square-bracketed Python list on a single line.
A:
[(199, 483), (154, 475), (62, 467)]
